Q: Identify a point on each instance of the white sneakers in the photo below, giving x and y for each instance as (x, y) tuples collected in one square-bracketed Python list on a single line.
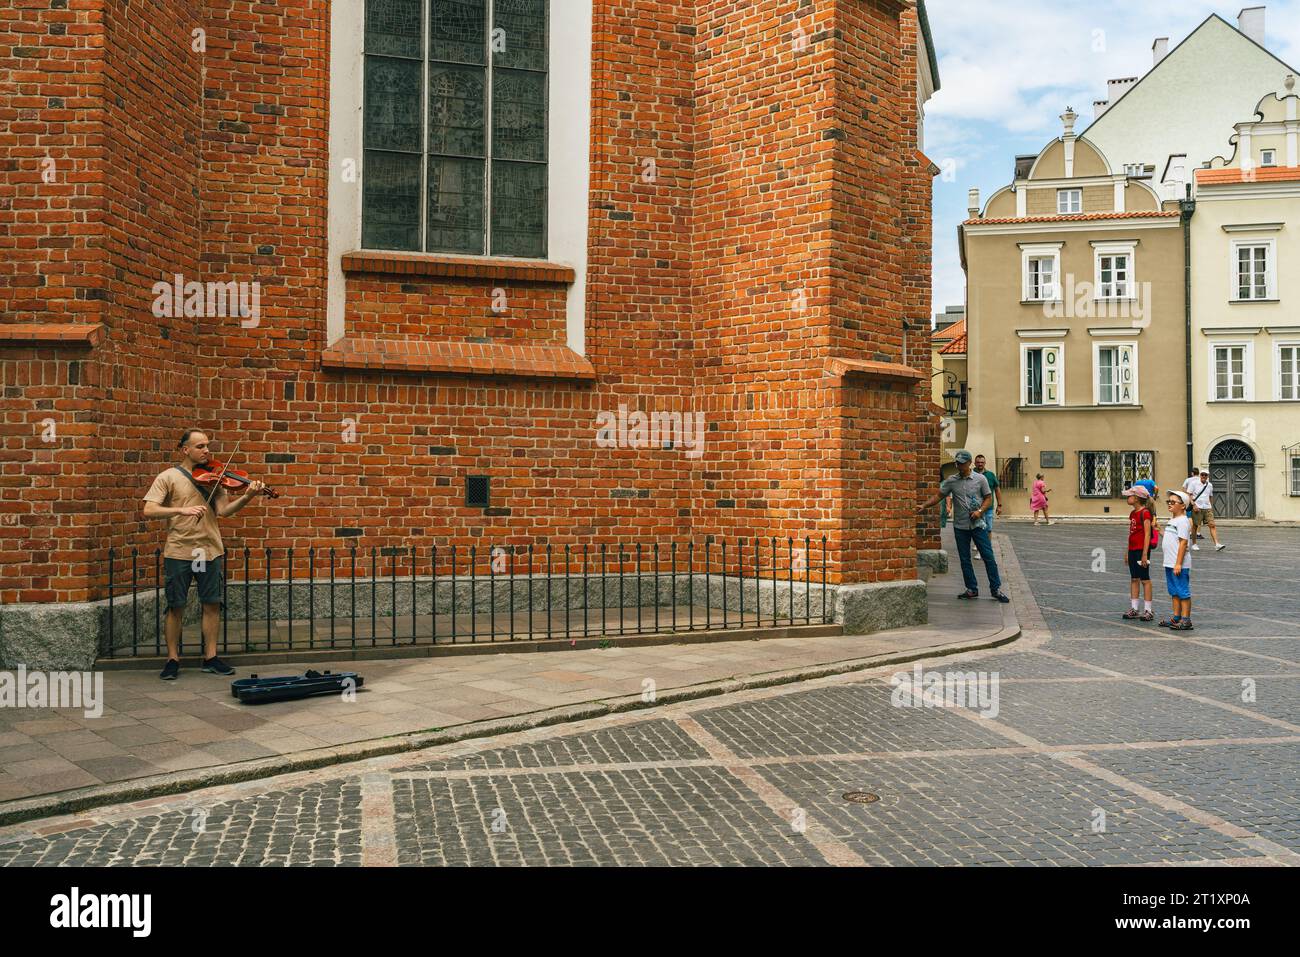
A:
[(1196, 548)]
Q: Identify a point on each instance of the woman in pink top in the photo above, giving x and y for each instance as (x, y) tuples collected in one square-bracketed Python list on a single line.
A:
[(1038, 499)]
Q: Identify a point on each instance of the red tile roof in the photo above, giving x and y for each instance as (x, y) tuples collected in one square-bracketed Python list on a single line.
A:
[(1071, 218), (958, 328), (955, 348), (1260, 174)]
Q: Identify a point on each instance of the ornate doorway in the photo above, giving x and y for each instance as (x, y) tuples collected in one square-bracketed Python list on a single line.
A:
[(1232, 472)]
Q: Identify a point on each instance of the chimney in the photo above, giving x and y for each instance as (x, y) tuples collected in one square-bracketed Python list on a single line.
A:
[(1250, 21), (1117, 88), (973, 202), (1098, 108), (1159, 50)]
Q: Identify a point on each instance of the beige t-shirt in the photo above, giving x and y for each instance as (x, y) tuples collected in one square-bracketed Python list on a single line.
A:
[(185, 533)]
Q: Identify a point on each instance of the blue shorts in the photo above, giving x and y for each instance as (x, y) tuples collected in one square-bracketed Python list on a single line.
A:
[(1180, 585)]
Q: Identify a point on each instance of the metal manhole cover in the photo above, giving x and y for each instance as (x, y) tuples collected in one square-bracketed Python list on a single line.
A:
[(861, 797)]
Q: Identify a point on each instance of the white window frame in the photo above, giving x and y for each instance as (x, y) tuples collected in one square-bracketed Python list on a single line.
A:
[(1048, 251), (1268, 157), (1270, 272), (1096, 370), (1064, 198), (1129, 251), (568, 155), (1025, 349), (1248, 369), (1293, 475), (1278, 346)]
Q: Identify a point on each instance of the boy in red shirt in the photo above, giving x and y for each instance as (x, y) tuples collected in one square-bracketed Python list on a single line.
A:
[(1142, 537)]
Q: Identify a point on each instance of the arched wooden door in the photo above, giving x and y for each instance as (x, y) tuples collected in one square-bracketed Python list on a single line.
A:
[(1232, 472)]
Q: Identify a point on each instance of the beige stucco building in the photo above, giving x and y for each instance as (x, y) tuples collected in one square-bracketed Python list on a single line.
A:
[(1246, 315), (1077, 330)]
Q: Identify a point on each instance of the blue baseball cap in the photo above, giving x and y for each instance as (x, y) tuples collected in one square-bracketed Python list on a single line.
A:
[(961, 457)]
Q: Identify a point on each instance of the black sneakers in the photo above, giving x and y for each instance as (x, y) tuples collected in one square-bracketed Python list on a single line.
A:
[(216, 666), (1002, 597), (171, 671)]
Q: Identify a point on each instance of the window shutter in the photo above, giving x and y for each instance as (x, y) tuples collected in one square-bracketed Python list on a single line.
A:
[(1124, 377), (1051, 375)]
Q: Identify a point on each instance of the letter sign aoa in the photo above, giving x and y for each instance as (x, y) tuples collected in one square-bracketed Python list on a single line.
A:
[(102, 910)]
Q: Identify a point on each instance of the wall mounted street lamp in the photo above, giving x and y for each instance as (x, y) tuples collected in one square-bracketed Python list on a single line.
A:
[(951, 398)]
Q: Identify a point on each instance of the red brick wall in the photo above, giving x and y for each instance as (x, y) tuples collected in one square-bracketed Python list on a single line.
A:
[(775, 234)]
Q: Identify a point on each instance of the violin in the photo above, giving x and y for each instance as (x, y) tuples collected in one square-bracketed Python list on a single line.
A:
[(214, 474)]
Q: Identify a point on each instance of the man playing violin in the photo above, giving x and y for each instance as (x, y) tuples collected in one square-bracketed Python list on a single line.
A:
[(193, 549)]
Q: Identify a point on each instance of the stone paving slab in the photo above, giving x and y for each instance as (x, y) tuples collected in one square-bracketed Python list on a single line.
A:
[(991, 810), (192, 729), (1151, 761), (1258, 787)]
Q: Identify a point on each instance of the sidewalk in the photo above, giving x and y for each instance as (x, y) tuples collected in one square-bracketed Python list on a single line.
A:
[(158, 737)]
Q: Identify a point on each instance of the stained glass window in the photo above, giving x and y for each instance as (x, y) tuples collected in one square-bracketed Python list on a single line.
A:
[(456, 126)]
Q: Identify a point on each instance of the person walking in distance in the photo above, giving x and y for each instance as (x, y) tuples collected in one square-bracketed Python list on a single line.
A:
[(1142, 537), (193, 549), (1189, 485), (971, 501), (1038, 499), (980, 467), (1202, 495), (1178, 562)]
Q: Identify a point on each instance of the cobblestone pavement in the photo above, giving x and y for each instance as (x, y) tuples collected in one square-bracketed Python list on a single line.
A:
[(1106, 743)]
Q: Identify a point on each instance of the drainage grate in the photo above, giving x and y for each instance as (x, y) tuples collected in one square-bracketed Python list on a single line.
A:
[(861, 797)]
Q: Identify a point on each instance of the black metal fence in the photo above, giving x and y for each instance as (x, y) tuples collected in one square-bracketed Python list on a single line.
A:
[(411, 595)]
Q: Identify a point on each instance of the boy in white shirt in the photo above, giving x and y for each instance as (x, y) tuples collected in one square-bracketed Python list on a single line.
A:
[(1178, 561)]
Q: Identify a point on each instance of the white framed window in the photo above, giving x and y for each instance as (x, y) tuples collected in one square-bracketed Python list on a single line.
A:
[(1096, 474), (1231, 371), (1254, 270), (1113, 271), (1042, 374), (1293, 470), (1041, 269), (1286, 365), (1115, 373), (1069, 201), (381, 136), (1268, 157)]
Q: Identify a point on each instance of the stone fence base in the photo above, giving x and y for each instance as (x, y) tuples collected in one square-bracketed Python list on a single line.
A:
[(70, 636)]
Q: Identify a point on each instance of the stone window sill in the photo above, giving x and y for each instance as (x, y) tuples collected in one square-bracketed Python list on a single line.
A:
[(1113, 407), (456, 267)]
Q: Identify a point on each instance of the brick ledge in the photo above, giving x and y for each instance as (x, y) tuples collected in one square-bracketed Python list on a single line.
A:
[(456, 267), (875, 370), (66, 334), (458, 358)]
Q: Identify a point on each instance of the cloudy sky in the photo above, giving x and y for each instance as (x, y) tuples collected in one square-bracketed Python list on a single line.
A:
[(1008, 70)]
